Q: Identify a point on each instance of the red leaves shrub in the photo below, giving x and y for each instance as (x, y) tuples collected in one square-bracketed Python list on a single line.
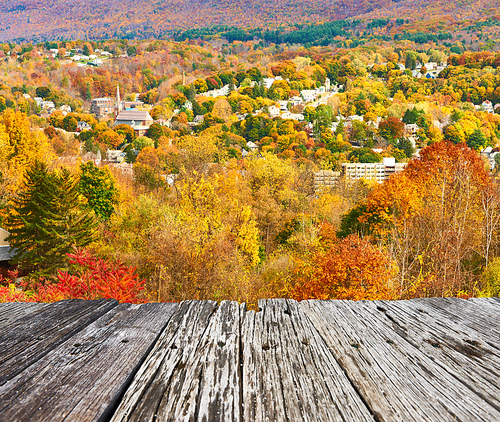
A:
[(10, 294), (8, 291), (89, 278), (94, 278)]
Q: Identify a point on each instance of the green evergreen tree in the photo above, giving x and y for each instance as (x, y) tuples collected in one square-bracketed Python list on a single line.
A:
[(198, 109), (88, 92), (340, 128), (412, 115), (477, 140), (97, 185), (411, 60), (191, 93), (75, 223), (405, 145), (47, 220)]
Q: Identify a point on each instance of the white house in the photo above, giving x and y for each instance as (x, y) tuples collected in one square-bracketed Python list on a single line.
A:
[(309, 95), (292, 116), (65, 108), (83, 126), (273, 111), (253, 147), (95, 158), (411, 129), (487, 106), (268, 82), (115, 156), (96, 62), (222, 92)]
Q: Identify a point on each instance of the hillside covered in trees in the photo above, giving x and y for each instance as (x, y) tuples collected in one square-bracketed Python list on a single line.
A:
[(32, 20)]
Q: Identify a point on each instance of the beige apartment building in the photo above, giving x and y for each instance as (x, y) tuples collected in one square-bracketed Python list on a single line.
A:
[(351, 172)]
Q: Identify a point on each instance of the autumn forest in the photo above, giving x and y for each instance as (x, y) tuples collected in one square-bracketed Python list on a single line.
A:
[(342, 159)]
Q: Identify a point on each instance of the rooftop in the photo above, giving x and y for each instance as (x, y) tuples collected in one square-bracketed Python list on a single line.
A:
[(6, 253), (137, 115)]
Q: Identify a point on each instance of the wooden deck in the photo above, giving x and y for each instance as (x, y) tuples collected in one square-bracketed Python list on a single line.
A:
[(418, 360)]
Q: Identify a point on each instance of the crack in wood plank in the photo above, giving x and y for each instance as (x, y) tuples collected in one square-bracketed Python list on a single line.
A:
[(399, 381), (83, 378)]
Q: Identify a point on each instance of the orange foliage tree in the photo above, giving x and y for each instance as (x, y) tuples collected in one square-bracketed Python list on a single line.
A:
[(351, 269), (437, 219)]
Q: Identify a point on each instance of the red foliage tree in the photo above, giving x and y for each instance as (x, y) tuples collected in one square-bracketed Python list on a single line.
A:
[(438, 218), (351, 269), (391, 128)]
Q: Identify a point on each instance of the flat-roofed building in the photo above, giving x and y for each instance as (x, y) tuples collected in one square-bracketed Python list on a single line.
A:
[(351, 172), (102, 106), (372, 171), (326, 179), (367, 171)]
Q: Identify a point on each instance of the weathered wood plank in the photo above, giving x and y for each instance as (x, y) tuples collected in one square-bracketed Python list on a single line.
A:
[(397, 380), (458, 307), (493, 303), (459, 329), (83, 378), (455, 347), (34, 335), (484, 319), (419, 360), (192, 372), (262, 392), (289, 374), (12, 311), (217, 363)]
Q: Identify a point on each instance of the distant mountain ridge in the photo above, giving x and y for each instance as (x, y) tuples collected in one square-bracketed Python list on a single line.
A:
[(37, 20)]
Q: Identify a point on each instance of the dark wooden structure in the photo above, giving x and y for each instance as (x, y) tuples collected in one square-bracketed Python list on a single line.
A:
[(418, 360)]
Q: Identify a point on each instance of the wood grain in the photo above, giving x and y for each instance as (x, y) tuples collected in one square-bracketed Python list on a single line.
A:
[(288, 371), (12, 311), (82, 379), (397, 380), (192, 355), (31, 337), (420, 360)]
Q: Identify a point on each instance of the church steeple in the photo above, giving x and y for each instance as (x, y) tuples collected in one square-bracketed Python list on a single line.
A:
[(118, 105)]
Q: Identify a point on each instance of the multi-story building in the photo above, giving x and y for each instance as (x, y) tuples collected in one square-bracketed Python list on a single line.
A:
[(103, 106), (352, 172), (326, 179), (372, 171), (367, 171)]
